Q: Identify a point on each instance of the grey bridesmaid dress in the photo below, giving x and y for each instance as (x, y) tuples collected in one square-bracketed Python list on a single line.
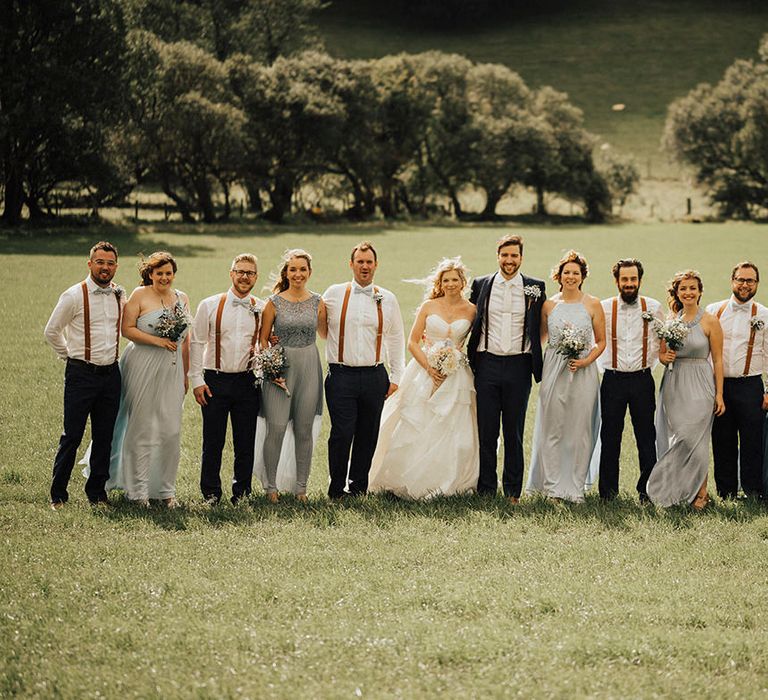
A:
[(684, 422)]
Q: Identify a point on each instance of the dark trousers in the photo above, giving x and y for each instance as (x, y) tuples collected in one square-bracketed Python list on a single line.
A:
[(94, 391), (235, 398), (503, 385), (355, 398), (737, 438), (619, 391)]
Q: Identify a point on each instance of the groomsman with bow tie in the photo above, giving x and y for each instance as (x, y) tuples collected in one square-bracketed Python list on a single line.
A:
[(84, 330), (504, 350), (632, 353), (365, 329), (224, 336), (737, 443)]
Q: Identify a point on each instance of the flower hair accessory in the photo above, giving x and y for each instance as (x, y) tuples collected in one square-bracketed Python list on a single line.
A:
[(756, 323)]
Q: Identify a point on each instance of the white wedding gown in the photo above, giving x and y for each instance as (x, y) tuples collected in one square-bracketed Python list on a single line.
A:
[(428, 444)]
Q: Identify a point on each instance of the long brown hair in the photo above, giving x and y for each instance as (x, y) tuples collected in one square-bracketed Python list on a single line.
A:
[(282, 283)]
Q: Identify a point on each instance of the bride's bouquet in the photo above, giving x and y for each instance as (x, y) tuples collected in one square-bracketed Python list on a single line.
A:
[(571, 343), (445, 357), (172, 323), (270, 365), (673, 332)]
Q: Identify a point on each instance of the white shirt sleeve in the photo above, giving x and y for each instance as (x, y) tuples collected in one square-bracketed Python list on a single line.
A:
[(61, 317), (395, 344), (198, 341)]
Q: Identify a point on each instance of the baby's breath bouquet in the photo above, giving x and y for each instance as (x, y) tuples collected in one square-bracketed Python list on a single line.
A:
[(270, 365), (443, 356), (172, 323), (673, 332), (571, 343)]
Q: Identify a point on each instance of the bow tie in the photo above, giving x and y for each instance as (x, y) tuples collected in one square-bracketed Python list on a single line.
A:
[(246, 303), (103, 290), (740, 308), (365, 290)]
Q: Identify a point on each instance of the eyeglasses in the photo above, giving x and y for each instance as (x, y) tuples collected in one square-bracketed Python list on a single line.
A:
[(245, 273), (104, 263), (743, 280)]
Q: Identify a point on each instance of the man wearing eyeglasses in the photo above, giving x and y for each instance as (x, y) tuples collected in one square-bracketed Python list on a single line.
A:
[(224, 337), (737, 435)]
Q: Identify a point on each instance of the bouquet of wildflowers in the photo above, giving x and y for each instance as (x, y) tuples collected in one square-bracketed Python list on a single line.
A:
[(445, 357), (571, 343), (172, 323), (270, 365), (673, 332)]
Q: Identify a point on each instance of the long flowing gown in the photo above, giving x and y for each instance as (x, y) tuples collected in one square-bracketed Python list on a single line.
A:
[(567, 416), (428, 444), (288, 427), (147, 436), (684, 422)]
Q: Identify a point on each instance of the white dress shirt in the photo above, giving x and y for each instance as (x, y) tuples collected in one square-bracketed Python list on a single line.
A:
[(361, 328), (65, 330), (629, 335), (238, 325), (506, 316), (735, 322)]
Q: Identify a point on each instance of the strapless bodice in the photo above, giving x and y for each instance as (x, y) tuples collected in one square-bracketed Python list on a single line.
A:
[(437, 328)]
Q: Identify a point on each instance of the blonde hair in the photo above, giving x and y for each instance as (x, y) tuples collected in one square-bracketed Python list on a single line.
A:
[(570, 257), (245, 257), (674, 301), (436, 276), (151, 263), (282, 281)]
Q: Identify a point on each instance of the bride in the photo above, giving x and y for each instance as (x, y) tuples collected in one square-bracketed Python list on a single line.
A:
[(428, 443)]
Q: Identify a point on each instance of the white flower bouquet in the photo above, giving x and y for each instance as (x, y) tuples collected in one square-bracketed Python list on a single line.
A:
[(571, 343), (445, 357), (270, 365)]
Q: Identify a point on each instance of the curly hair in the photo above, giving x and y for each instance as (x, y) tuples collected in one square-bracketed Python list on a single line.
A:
[(155, 260), (570, 257), (436, 276), (282, 282), (672, 299)]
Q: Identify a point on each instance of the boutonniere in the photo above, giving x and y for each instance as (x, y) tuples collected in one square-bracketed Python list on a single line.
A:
[(532, 291), (118, 290), (378, 297), (647, 316), (756, 323), (254, 309)]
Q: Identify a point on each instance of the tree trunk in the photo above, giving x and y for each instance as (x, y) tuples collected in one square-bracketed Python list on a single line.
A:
[(493, 197), (204, 200), (457, 210), (280, 197), (184, 207), (541, 207), (14, 196), (227, 204), (252, 187)]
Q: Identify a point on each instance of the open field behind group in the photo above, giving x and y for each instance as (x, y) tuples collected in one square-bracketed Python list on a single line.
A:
[(465, 597)]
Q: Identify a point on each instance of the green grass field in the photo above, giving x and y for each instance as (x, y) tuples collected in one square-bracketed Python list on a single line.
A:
[(461, 597), (601, 52)]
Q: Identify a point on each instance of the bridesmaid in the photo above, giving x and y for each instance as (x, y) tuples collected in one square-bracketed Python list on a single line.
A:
[(146, 443), (292, 314), (567, 417), (691, 395)]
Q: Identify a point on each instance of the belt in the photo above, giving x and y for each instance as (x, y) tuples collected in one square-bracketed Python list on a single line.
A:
[(742, 378), (90, 367), (617, 372), (335, 366), (229, 374)]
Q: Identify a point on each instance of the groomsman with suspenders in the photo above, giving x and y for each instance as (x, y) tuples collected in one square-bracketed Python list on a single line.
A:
[(224, 337), (737, 443), (504, 350), (84, 330), (364, 329), (632, 352)]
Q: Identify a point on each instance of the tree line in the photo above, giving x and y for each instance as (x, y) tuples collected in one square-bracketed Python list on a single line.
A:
[(98, 97)]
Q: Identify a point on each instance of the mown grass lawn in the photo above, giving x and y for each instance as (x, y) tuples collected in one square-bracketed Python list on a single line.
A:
[(463, 597)]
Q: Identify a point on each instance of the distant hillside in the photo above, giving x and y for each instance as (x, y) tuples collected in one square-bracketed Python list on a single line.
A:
[(601, 52)]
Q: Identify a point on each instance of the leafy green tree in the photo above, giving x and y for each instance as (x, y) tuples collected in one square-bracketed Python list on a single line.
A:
[(722, 132), (60, 85)]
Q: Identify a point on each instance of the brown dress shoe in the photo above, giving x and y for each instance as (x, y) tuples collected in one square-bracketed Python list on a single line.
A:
[(272, 497), (513, 500), (301, 497), (56, 505)]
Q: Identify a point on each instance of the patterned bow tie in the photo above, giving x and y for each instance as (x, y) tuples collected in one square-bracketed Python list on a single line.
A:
[(740, 307), (103, 290), (246, 303), (365, 290)]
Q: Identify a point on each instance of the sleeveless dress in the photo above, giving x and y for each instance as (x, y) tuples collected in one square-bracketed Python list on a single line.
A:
[(428, 444), (567, 416), (288, 427), (147, 435), (684, 422)]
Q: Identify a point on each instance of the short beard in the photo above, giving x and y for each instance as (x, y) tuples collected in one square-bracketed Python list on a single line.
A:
[(629, 297), (750, 295)]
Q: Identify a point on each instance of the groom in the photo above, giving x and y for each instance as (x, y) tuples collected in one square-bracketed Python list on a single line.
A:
[(504, 349)]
